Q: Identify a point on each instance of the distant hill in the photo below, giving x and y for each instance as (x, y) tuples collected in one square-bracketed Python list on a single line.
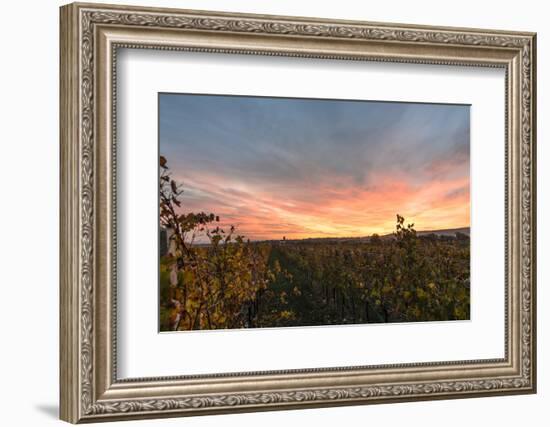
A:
[(446, 232)]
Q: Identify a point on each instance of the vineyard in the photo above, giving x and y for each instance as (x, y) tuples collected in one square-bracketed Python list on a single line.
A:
[(234, 283), (421, 279)]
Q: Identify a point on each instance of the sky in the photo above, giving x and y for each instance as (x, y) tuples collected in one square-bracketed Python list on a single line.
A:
[(301, 168)]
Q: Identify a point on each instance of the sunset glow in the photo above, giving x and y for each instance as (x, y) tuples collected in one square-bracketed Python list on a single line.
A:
[(281, 167)]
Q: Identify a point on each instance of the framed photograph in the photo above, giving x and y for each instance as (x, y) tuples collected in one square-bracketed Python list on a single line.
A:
[(265, 212)]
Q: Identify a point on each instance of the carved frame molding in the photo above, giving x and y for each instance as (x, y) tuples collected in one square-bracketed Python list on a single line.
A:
[(90, 37)]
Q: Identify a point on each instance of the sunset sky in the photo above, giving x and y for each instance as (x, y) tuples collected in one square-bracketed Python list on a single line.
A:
[(301, 168)]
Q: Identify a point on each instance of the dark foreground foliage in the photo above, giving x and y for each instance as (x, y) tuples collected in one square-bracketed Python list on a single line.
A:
[(302, 283)]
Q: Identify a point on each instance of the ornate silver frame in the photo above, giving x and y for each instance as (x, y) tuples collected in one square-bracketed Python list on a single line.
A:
[(90, 36)]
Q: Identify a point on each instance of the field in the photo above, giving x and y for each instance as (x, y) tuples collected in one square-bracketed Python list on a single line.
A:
[(232, 283)]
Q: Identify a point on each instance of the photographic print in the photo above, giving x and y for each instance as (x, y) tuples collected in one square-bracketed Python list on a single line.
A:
[(281, 212)]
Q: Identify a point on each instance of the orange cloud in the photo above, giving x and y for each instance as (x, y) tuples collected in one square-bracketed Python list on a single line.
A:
[(341, 209)]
